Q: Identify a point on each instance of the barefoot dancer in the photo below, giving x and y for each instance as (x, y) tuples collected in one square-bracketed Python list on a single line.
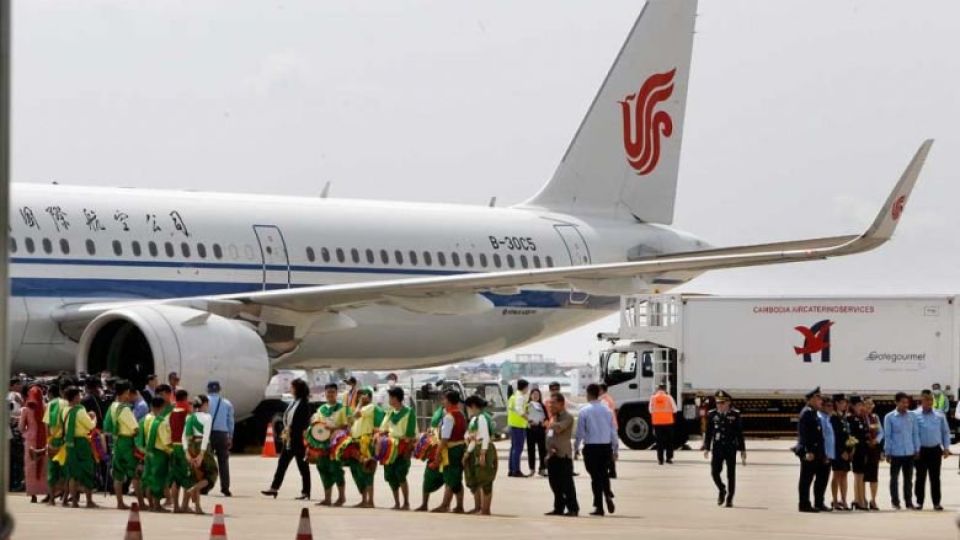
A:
[(400, 423)]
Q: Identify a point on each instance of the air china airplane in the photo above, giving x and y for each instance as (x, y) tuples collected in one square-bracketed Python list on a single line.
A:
[(229, 286)]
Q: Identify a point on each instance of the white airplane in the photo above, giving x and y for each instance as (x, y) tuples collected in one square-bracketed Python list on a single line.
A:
[(230, 287)]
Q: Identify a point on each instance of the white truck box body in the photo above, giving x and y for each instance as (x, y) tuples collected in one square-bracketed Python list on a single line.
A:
[(874, 345)]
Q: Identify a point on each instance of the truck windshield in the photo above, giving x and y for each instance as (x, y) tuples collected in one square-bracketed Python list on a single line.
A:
[(620, 366), (489, 392)]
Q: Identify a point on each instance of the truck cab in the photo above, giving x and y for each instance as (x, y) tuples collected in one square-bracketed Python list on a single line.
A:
[(632, 372)]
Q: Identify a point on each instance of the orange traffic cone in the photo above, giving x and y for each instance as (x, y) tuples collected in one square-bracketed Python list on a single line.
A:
[(218, 531), (269, 446), (133, 524), (304, 531)]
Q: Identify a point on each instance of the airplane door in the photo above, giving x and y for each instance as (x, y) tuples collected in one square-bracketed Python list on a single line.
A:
[(578, 252), (575, 244), (273, 255)]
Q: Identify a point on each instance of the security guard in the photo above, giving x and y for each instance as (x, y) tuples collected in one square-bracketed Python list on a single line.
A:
[(724, 438)]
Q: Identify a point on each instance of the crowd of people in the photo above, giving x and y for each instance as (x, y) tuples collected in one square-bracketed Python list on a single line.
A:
[(75, 435), (838, 435), (354, 433)]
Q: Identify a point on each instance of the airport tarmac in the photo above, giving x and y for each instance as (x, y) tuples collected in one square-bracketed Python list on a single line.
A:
[(662, 502)]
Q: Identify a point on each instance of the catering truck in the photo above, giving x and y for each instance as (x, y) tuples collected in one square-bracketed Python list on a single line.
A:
[(769, 351)]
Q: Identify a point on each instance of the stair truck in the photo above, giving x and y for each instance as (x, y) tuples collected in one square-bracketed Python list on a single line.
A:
[(769, 351)]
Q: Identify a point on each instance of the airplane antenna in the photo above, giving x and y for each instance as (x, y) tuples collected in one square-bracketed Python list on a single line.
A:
[(326, 190), (493, 201)]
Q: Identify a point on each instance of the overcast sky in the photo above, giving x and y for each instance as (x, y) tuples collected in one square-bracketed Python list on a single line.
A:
[(801, 115)]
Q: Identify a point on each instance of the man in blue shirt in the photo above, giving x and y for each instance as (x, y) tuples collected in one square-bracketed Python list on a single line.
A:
[(221, 436), (901, 444), (934, 446), (600, 445), (825, 416)]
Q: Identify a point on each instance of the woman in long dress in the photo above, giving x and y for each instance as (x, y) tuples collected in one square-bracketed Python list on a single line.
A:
[(34, 444)]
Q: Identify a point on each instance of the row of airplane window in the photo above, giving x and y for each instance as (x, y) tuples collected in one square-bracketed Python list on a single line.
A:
[(413, 258)]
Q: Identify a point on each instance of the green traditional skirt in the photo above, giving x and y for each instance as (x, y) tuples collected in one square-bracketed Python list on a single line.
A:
[(156, 472), (208, 465), (478, 476), (432, 479), (56, 472), (361, 477), (396, 473), (181, 473), (331, 472), (80, 463), (124, 464), (453, 471)]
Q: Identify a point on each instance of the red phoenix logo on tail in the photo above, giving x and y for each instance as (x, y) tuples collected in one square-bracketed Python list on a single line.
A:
[(642, 126)]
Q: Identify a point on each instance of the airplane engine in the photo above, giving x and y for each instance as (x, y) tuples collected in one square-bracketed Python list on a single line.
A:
[(135, 341)]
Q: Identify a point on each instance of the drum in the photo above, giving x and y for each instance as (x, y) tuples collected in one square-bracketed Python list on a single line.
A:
[(319, 432)]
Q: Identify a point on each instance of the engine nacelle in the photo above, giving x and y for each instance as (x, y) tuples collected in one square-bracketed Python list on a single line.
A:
[(133, 342)]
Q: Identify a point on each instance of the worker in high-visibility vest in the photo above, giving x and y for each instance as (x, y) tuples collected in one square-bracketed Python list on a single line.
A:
[(663, 410), (941, 402), (517, 421)]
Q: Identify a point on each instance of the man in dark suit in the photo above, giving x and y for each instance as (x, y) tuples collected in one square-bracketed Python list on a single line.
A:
[(810, 448)]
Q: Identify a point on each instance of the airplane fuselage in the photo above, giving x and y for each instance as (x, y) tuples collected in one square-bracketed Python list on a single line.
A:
[(76, 245)]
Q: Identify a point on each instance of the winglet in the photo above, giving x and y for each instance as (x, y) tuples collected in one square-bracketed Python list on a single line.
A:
[(886, 222)]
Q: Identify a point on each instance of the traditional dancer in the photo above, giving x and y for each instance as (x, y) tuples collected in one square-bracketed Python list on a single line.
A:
[(480, 460), (329, 418), (34, 433), (80, 466), (196, 439), (158, 448), (432, 477), (452, 447), (122, 426), (363, 469), (400, 424), (56, 452)]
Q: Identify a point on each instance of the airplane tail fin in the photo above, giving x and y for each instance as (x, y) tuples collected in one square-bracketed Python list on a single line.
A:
[(623, 160)]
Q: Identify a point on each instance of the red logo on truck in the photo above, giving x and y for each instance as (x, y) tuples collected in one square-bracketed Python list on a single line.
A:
[(643, 126), (816, 340)]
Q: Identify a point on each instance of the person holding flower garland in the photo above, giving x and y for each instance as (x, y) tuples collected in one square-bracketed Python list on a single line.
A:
[(480, 460), (400, 425), (363, 468)]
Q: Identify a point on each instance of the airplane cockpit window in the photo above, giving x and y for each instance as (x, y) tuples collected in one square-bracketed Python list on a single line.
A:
[(549, 261), (340, 257), (398, 255), (441, 258), (523, 261), (168, 248), (152, 248), (510, 262), (536, 261), (311, 256), (217, 251), (355, 255), (47, 246), (185, 249), (496, 260), (469, 258), (369, 254), (202, 250), (413, 257), (117, 248), (13, 245), (384, 256), (427, 258), (135, 247), (91, 246), (483, 260), (455, 258)]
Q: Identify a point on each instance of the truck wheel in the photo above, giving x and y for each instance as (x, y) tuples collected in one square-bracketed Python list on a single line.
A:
[(635, 429)]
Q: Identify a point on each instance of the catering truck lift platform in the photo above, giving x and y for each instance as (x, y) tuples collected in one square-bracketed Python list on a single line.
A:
[(769, 351)]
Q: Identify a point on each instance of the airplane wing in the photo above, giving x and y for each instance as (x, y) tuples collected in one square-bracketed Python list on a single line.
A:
[(461, 293)]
